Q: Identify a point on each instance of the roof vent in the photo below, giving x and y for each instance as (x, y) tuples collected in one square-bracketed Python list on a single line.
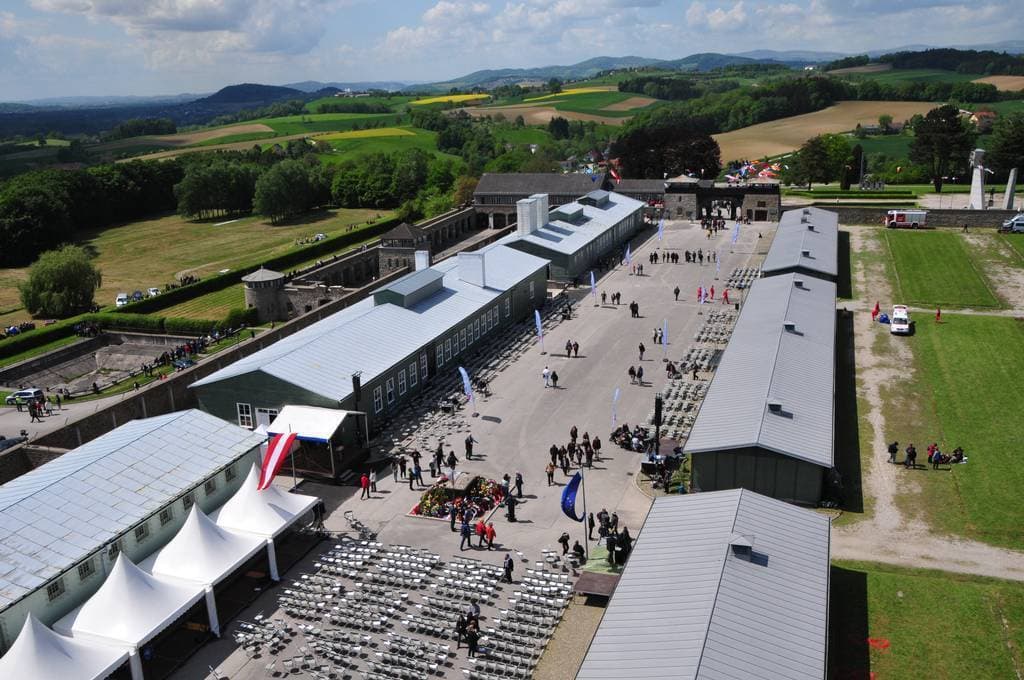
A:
[(422, 259), (807, 211), (803, 219), (805, 253), (790, 326), (810, 227), (742, 546), (799, 283), (775, 406)]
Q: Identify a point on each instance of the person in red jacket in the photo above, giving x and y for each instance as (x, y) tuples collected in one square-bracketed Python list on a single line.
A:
[(364, 482), (490, 533), (481, 532)]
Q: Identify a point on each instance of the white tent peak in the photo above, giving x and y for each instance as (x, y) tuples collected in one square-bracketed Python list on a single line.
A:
[(264, 513), (202, 551), (39, 653)]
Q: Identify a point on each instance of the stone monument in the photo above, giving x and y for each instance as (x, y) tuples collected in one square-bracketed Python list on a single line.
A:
[(1011, 185), (977, 180)]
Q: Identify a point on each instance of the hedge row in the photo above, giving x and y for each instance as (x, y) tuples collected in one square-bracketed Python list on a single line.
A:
[(40, 336), (281, 263)]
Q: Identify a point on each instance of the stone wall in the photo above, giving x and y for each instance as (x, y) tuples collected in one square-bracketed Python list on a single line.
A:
[(10, 375), (944, 218)]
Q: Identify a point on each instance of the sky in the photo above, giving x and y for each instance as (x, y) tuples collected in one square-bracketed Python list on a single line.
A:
[(57, 48)]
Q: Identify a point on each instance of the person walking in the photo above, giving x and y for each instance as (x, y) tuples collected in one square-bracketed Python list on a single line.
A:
[(676, 293), (401, 465), (938, 315), (472, 640), (490, 533), (596, 445), (412, 476), (604, 297), (568, 349), (911, 456), (549, 470), (394, 470), (546, 374), (590, 526), (509, 566), (519, 484), (364, 483), (894, 448), (632, 374), (469, 446), (554, 379), (453, 516), (466, 534), (644, 349), (564, 540), (725, 296), (460, 630), (417, 471), (875, 311), (576, 349), (574, 434), (373, 481), (510, 504), (640, 375), (481, 532)]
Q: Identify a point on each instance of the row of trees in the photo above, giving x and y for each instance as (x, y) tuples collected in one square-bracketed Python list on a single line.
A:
[(987, 62), (134, 127), (666, 142)]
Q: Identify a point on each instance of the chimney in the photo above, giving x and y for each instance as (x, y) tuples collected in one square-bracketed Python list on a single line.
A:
[(471, 268), (790, 326), (799, 283), (526, 216), (541, 209), (775, 406), (422, 259), (357, 387), (805, 253)]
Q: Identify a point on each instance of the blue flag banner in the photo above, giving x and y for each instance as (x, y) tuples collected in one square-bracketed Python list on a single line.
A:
[(593, 285), (569, 497), (467, 388), (664, 334), (536, 319), (629, 257), (736, 233), (661, 229)]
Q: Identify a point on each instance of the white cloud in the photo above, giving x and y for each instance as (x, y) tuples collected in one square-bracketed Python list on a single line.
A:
[(718, 19)]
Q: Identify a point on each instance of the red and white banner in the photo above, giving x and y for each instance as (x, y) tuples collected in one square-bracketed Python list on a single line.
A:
[(278, 450)]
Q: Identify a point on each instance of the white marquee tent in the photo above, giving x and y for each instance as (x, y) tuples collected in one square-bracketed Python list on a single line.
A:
[(202, 552), (264, 513), (41, 654), (131, 608)]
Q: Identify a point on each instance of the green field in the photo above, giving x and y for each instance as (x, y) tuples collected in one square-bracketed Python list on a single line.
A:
[(36, 351), (1011, 106), (153, 252), (213, 306), (521, 135), (920, 75), (232, 139), (934, 268), (366, 143), (1016, 241), (967, 374), (901, 624), (893, 146), (321, 122)]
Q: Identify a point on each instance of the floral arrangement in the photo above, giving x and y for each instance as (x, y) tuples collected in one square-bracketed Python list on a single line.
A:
[(480, 496)]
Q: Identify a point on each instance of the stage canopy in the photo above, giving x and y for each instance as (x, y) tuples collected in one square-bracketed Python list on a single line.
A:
[(309, 423), (41, 654), (202, 552), (263, 513), (131, 607)]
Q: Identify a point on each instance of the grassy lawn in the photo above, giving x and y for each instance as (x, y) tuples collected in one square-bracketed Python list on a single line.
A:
[(900, 624), (1016, 241), (36, 351), (920, 75), (232, 139), (449, 99), (893, 146), (523, 135), (212, 306), (967, 372), (934, 268), (355, 143), (152, 252)]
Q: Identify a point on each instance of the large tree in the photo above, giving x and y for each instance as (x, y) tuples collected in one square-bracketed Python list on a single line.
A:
[(942, 143), (814, 162), (33, 217), (60, 283), (665, 142), (1007, 146)]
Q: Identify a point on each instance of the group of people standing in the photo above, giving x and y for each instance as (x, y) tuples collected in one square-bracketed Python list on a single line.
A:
[(577, 453), (933, 455)]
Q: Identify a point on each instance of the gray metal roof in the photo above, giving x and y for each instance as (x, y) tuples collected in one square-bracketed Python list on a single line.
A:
[(413, 281), (638, 186), (58, 514), (263, 274), (568, 238), (313, 360), (794, 237), (688, 608), (764, 362), (527, 183)]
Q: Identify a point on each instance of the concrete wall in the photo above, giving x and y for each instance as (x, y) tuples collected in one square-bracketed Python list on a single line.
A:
[(945, 218), (765, 472), (11, 375), (77, 590)]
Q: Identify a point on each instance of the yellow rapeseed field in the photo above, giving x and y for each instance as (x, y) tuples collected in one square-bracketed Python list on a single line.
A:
[(372, 132), (455, 98), (570, 91)]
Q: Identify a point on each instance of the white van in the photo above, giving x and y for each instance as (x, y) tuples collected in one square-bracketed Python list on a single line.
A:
[(1014, 225), (899, 322), (121, 300)]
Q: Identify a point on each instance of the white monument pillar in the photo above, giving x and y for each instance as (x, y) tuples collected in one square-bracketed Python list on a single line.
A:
[(135, 665), (1011, 185), (977, 180)]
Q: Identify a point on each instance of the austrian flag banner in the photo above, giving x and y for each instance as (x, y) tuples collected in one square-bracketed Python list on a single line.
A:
[(278, 450)]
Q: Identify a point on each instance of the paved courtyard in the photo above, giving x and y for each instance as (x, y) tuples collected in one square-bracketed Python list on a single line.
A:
[(517, 425)]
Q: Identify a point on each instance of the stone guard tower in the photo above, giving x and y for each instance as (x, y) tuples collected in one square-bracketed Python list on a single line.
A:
[(264, 290)]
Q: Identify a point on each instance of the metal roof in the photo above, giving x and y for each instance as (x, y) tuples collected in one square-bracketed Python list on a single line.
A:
[(413, 281), (527, 183), (794, 237), (60, 513), (688, 607), (645, 186), (568, 238), (764, 362), (263, 274), (322, 357)]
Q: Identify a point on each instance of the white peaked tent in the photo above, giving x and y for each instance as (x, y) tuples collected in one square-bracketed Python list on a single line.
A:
[(131, 608), (41, 654), (202, 552), (264, 513)]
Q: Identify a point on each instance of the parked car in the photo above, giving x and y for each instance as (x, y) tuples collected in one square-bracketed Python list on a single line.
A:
[(153, 292), (1014, 225), (137, 295), (320, 237), (121, 300), (24, 395), (899, 322)]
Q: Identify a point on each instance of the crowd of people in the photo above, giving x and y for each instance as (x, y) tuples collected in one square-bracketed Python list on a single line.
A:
[(636, 439), (933, 455), (578, 452)]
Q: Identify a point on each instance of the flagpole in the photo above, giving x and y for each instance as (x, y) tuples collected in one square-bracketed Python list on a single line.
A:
[(291, 454)]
